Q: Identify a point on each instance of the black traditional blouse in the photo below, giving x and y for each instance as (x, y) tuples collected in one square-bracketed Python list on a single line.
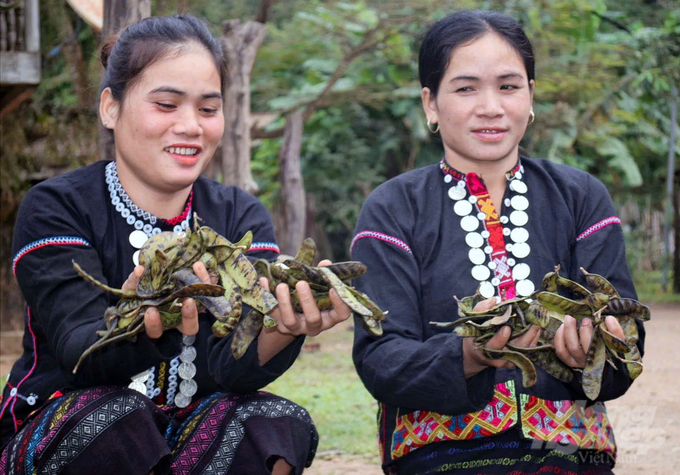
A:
[(87, 217), (432, 234)]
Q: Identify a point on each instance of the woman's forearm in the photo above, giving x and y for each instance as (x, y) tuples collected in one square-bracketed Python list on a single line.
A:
[(270, 343)]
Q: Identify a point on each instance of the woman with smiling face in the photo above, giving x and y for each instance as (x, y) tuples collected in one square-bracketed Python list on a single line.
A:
[(168, 402), (483, 219)]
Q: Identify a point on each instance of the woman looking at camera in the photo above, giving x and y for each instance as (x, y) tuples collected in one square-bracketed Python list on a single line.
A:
[(484, 218)]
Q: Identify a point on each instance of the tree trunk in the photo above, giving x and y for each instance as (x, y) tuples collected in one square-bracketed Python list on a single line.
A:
[(240, 43), (324, 250), (117, 15), (73, 53), (676, 228), (670, 175), (292, 194)]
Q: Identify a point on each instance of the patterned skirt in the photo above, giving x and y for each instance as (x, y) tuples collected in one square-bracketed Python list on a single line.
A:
[(114, 430)]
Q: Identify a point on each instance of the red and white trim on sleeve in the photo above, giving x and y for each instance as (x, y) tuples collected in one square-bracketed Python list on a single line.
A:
[(598, 226), (264, 246), (52, 241), (382, 237)]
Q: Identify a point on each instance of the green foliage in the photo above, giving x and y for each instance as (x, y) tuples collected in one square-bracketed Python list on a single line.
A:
[(604, 72), (648, 287)]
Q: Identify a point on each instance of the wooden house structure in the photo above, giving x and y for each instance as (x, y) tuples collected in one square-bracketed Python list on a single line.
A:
[(19, 51)]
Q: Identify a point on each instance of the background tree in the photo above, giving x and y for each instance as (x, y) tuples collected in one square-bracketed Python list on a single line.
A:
[(605, 72)]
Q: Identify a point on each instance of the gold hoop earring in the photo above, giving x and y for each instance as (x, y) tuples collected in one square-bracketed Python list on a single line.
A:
[(429, 127), (532, 117)]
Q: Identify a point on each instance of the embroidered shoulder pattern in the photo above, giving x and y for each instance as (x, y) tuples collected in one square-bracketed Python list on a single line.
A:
[(52, 241), (264, 246), (382, 237), (598, 226)]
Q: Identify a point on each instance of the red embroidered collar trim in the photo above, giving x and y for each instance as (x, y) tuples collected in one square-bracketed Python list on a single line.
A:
[(458, 175), (185, 213)]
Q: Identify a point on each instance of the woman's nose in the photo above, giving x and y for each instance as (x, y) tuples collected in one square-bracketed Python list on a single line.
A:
[(188, 124), (490, 104)]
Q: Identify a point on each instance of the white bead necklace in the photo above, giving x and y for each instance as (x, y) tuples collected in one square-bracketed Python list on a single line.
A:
[(143, 221), (498, 273), (182, 365)]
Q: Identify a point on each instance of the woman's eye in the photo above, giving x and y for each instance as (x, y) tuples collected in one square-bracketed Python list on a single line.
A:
[(508, 87), (209, 110), (464, 89), (166, 106)]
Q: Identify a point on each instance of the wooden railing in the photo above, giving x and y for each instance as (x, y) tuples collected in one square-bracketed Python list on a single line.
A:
[(19, 42)]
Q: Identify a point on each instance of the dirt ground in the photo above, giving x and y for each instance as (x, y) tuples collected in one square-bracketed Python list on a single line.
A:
[(646, 419)]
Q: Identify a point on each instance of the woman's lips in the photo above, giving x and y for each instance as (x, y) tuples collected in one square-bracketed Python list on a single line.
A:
[(490, 135), (185, 159)]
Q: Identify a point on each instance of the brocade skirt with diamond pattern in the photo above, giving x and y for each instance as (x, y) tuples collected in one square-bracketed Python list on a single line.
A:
[(114, 430)]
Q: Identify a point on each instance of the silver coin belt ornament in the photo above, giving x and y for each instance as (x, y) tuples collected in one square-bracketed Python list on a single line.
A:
[(495, 262), (144, 227)]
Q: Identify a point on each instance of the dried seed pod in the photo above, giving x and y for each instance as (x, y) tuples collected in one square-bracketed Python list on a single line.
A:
[(629, 307), (246, 332), (612, 341), (344, 293), (597, 283), (241, 270), (544, 357), (463, 330), (466, 305), (548, 311), (548, 319), (348, 270), (594, 368), (529, 375), (259, 299), (307, 252), (563, 305), (596, 301)]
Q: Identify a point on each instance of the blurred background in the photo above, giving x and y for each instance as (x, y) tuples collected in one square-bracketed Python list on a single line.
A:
[(335, 111)]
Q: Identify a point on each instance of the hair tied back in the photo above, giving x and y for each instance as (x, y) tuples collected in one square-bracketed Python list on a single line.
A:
[(107, 47)]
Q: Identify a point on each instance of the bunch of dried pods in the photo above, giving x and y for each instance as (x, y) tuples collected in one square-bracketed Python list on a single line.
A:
[(168, 279), (547, 309)]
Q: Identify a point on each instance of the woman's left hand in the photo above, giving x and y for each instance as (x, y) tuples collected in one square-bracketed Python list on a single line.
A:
[(572, 343), (312, 321), (153, 324)]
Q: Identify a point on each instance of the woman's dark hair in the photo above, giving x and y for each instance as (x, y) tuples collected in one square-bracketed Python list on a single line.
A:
[(461, 28), (125, 56)]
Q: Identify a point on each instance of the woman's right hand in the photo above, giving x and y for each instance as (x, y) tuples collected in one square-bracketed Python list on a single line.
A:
[(473, 359), (152, 317)]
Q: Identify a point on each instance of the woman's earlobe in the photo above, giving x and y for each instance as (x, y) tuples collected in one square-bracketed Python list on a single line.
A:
[(108, 108)]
